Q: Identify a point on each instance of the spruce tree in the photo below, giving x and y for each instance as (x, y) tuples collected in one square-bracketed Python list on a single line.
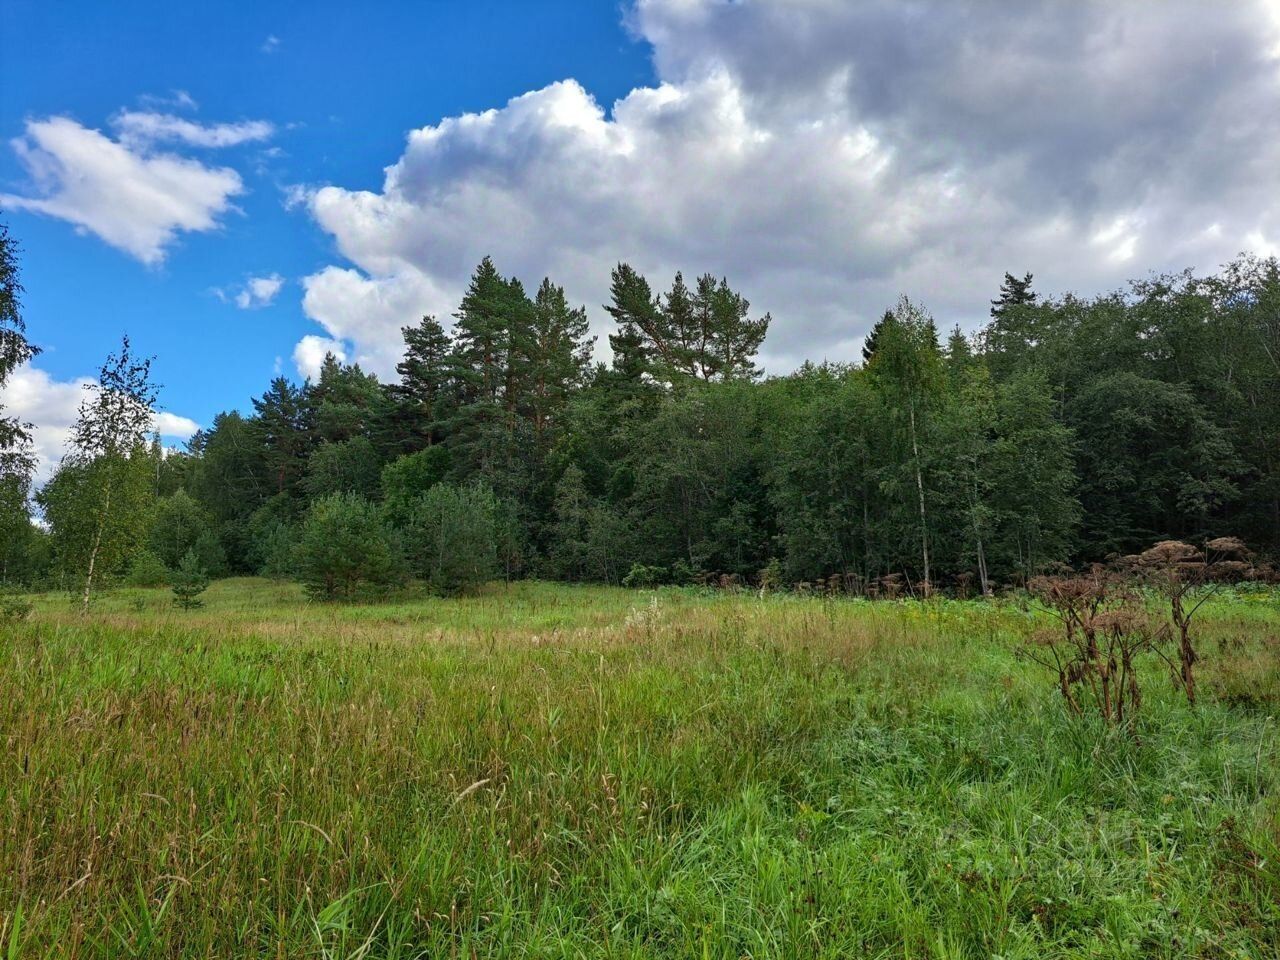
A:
[(1014, 292), (481, 336), (871, 342)]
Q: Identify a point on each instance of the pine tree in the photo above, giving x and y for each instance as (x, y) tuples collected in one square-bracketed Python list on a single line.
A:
[(424, 380), (344, 402), (345, 547), (281, 423), (559, 354), (189, 581), (705, 335), (728, 340)]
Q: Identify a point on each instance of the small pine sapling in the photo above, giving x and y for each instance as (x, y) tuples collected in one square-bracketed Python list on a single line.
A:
[(189, 581)]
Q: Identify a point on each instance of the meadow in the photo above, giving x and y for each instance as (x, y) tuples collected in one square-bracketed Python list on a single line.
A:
[(553, 771)]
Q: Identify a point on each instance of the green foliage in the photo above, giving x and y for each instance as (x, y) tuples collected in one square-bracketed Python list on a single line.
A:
[(344, 466), (345, 549), (230, 481), (642, 575), (276, 550), (177, 523), (189, 581), (14, 608), (282, 427), (703, 334), (406, 479), (15, 350), (588, 539), (452, 537), (98, 511), (209, 553), (17, 532), (147, 570)]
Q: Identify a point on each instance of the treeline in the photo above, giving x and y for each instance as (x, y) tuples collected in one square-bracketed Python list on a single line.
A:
[(1066, 429)]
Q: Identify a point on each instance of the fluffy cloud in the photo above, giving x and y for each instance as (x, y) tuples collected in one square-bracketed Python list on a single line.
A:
[(310, 351), (827, 156), (123, 190), (256, 292), (32, 396)]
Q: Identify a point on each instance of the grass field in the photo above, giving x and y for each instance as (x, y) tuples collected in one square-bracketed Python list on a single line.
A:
[(551, 771)]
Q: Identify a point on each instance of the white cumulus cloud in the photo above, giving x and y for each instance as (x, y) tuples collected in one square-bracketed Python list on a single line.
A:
[(827, 156), (310, 351), (126, 190), (31, 395)]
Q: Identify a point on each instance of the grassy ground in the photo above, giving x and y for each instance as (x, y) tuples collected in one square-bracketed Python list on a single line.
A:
[(548, 771)]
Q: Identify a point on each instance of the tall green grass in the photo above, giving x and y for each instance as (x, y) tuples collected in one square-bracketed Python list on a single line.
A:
[(547, 771)]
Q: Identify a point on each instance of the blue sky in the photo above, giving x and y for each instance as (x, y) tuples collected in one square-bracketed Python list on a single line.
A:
[(243, 187), (341, 88)]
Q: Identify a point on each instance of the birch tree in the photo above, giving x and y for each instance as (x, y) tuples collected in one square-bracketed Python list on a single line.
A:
[(111, 465)]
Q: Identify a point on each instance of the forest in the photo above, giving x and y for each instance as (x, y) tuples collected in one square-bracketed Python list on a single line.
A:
[(1067, 429)]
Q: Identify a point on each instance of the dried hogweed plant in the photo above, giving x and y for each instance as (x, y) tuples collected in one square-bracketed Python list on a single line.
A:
[(1186, 577), (1101, 632)]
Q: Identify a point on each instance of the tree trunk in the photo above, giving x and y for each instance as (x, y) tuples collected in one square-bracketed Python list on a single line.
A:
[(977, 535), (982, 570), (924, 522), (93, 552)]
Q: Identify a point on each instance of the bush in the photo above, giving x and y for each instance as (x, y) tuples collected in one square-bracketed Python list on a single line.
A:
[(276, 552), (209, 552), (406, 480), (642, 575), (15, 609), (189, 581), (146, 570), (345, 549), (452, 537), (176, 525)]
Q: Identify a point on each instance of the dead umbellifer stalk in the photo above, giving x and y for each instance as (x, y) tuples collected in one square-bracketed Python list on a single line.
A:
[(1178, 570), (1102, 631)]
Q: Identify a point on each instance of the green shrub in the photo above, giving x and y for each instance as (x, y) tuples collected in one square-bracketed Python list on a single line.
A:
[(177, 523), (345, 548), (642, 575), (406, 480), (146, 570), (277, 552), (452, 537), (15, 609)]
